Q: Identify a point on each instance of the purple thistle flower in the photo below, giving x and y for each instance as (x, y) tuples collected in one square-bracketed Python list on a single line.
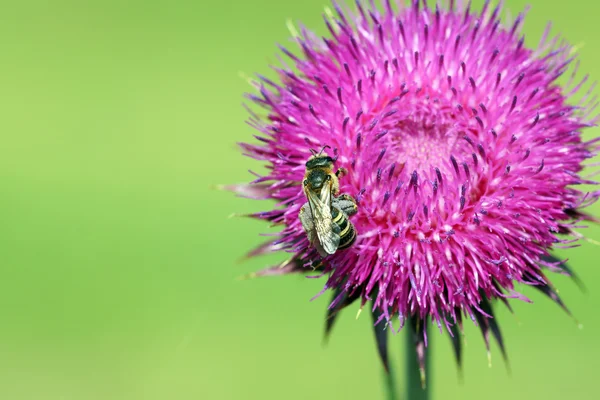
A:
[(462, 152)]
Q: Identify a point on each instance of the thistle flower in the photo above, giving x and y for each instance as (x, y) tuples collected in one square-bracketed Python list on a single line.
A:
[(462, 150)]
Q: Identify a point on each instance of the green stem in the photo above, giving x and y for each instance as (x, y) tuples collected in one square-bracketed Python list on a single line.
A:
[(390, 385), (416, 387)]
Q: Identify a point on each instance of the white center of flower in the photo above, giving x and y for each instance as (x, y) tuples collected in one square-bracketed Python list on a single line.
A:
[(422, 143), (420, 146)]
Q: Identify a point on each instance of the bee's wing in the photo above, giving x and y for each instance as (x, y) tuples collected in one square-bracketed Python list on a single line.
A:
[(321, 213), (309, 227), (326, 195)]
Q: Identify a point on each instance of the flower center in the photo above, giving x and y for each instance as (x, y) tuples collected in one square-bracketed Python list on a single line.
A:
[(421, 145), (425, 139)]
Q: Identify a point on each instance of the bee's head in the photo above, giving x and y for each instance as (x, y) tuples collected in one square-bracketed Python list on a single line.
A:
[(319, 160), (316, 179)]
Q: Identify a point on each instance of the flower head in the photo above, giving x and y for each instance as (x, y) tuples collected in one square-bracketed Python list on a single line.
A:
[(462, 151)]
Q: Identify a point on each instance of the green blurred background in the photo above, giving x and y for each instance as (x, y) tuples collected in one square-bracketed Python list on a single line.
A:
[(118, 262)]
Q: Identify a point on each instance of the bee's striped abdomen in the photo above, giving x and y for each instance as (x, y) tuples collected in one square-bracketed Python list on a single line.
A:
[(347, 239), (346, 229)]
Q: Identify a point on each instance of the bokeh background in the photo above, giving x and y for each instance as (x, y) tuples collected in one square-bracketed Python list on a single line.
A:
[(118, 261)]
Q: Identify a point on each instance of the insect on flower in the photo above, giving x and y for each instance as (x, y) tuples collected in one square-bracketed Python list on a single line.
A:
[(463, 151), (325, 216)]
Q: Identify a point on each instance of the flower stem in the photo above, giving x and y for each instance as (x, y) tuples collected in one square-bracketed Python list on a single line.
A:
[(390, 385), (416, 387)]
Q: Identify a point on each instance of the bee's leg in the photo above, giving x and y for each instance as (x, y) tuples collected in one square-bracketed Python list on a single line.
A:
[(335, 186), (306, 219), (346, 203), (341, 172), (346, 196)]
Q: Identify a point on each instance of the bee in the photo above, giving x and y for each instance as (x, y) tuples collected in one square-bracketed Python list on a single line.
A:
[(325, 217)]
